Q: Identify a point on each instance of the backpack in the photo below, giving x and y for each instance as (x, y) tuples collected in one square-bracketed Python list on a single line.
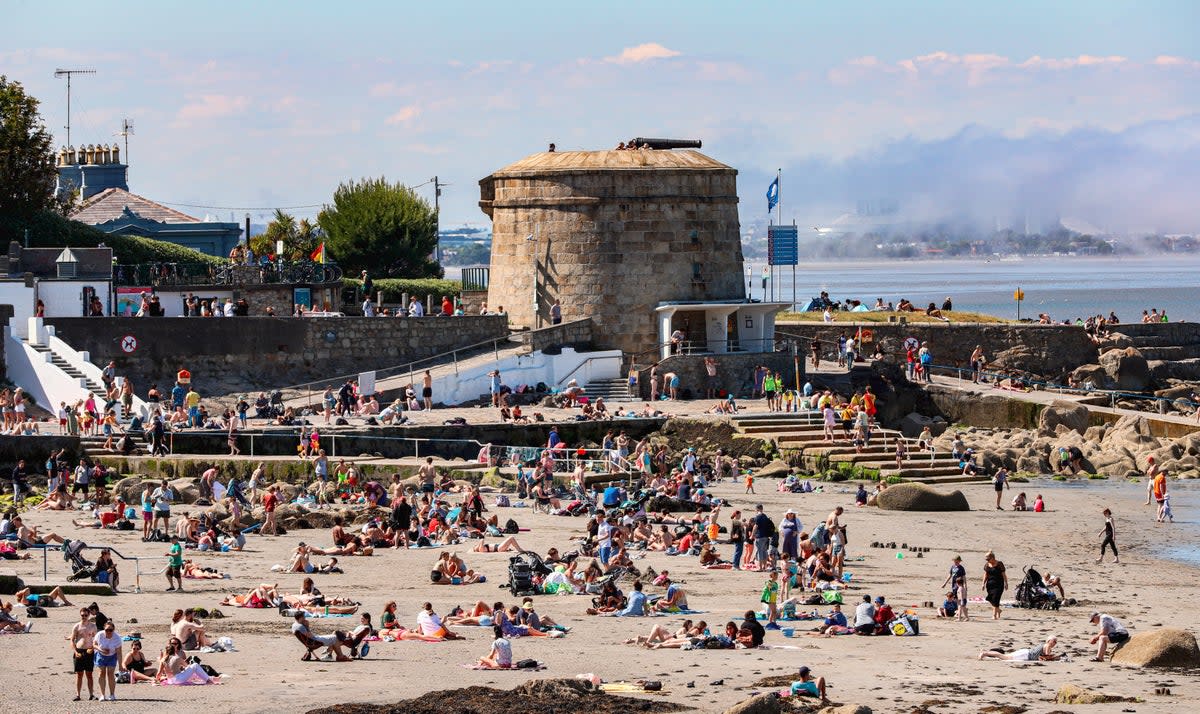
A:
[(502, 501), (341, 421), (526, 664), (35, 611), (510, 526)]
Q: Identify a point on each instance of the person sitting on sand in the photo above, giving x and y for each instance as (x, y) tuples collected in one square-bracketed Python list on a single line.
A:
[(431, 625), (1041, 653), (185, 629), (949, 608), (1019, 503), (675, 600), (174, 668), (1111, 632), (751, 632), (501, 656), (635, 607), (29, 535), (935, 313), (807, 686), (663, 540), (136, 666), (9, 623)]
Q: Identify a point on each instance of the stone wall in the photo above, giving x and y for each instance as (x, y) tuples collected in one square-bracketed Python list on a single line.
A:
[(1047, 350), (34, 449), (268, 350), (735, 372), (611, 244), (6, 313), (577, 333)]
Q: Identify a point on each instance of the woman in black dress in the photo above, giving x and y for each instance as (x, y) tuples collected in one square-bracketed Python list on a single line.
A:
[(995, 582)]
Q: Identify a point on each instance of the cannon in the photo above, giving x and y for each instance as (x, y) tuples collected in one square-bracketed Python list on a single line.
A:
[(669, 143)]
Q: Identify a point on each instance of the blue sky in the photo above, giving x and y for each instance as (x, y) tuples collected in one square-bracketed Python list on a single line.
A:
[(273, 103)]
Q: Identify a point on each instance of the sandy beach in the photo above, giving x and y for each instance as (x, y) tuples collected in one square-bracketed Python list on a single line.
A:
[(938, 669)]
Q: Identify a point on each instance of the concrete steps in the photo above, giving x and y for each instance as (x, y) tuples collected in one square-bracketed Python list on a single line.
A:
[(70, 371), (612, 390)]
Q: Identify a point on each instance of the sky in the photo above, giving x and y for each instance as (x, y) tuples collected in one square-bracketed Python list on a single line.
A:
[(982, 110)]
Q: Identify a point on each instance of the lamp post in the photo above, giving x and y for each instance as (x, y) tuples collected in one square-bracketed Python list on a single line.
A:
[(749, 284)]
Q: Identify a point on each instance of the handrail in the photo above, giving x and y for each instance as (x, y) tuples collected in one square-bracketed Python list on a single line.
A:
[(580, 366)]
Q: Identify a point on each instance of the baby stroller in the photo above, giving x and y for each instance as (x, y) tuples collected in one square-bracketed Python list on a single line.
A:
[(520, 575), (1034, 593), (81, 567), (277, 407)]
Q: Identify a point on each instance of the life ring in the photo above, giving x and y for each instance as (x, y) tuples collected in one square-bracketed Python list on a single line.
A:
[(867, 336)]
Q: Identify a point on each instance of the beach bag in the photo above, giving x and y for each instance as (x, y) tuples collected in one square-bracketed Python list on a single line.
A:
[(35, 611), (903, 626), (435, 576), (510, 526), (526, 664), (502, 501), (831, 596)]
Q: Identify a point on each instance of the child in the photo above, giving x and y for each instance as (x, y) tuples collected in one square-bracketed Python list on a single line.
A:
[(1019, 503), (901, 453), (749, 482), (770, 597), (1166, 508), (1038, 504), (949, 608)]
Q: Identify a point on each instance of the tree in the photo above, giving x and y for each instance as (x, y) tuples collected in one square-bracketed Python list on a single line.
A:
[(27, 173), (299, 239), (381, 227)]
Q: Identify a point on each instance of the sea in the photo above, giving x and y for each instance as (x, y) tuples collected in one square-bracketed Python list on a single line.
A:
[(1182, 538), (1065, 287)]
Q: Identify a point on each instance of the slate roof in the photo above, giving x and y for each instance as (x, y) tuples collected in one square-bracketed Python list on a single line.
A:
[(111, 203)]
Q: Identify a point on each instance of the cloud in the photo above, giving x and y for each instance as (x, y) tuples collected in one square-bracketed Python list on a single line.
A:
[(1036, 62), (976, 67), (405, 115), (211, 106), (1171, 61), (642, 53)]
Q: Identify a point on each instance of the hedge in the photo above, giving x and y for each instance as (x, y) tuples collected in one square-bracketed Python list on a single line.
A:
[(394, 288), (48, 229)]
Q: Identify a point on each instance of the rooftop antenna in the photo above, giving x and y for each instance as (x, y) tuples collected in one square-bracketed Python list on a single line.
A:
[(67, 73), (126, 130)]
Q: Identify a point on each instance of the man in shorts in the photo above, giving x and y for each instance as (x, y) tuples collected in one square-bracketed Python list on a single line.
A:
[(1111, 632), (428, 475), (81, 638), (174, 565), (809, 686), (162, 496)]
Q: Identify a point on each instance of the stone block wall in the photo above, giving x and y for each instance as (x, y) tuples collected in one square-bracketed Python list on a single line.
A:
[(613, 244), (268, 350), (1049, 350), (576, 333)]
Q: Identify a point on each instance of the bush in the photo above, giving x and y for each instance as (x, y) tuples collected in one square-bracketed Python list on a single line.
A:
[(48, 229), (394, 288)]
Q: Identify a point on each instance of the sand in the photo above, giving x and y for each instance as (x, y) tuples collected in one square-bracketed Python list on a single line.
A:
[(939, 669)]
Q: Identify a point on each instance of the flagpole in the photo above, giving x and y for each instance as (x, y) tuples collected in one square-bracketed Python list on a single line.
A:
[(778, 217)]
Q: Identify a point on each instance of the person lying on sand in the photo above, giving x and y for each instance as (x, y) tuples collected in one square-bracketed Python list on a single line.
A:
[(507, 545), (267, 596), (195, 572), (808, 686), (1041, 653)]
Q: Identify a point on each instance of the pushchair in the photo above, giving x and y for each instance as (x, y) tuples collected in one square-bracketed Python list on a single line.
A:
[(81, 567), (1034, 593), (277, 406)]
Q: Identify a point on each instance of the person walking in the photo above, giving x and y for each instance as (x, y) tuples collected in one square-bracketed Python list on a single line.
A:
[(82, 639), (999, 483), (762, 529), (737, 538), (1108, 537), (107, 646), (1156, 487), (957, 580), (995, 582)]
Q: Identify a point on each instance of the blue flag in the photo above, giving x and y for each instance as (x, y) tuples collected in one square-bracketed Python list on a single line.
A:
[(773, 195)]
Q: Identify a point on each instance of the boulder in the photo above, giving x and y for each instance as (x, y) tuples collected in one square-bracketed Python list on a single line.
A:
[(1059, 412), (1093, 374), (848, 709), (775, 469), (287, 491), (1127, 368), (185, 490), (913, 424), (1115, 461), (130, 488), (1115, 341), (1131, 432), (1159, 648), (1074, 694), (769, 703), (919, 497), (560, 688)]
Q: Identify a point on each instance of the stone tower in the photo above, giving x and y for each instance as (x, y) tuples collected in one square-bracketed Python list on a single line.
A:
[(612, 235)]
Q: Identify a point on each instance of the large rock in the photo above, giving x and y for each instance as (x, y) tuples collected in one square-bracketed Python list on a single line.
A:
[(1132, 432), (1159, 648), (1074, 694), (775, 469), (769, 703), (562, 688), (1062, 413), (848, 709), (1092, 374), (913, 424), (1115, 341), (919, 497), (1127, 368)]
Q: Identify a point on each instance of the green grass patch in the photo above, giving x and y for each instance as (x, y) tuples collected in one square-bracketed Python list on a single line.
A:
[(394, 288), (1097, 477)]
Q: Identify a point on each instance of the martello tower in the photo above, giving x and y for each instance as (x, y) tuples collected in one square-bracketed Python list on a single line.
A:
[(613, 235)]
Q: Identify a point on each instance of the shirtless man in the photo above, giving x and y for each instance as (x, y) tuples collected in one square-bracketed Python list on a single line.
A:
[(29, 535), (428, 475), (80, 645), (188, 631)]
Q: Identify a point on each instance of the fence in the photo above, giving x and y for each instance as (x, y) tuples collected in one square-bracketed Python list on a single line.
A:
[(162, 275)]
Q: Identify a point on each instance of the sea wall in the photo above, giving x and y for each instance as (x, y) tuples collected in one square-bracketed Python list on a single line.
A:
[(1048, 350), (268, 350)]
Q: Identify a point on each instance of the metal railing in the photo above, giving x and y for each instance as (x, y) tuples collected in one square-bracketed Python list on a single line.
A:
[(171, 274)]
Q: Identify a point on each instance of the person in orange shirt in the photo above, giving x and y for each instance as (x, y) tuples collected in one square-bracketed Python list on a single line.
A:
[(1156, 487)]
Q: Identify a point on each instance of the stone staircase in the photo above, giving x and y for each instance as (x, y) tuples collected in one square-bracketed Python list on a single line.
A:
[(612, 390), (72, 372), (804, 432)]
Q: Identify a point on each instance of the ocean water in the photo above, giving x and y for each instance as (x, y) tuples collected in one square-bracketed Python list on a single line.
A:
[(1063, 287), (1184, 544)]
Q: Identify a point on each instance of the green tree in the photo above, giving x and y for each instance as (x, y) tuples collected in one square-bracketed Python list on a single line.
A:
[(382, 227), (299, 239), (27, 172)]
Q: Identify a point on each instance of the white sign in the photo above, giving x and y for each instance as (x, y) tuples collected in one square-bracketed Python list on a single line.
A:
[(911, 343), (128, 343), (366, 383)]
